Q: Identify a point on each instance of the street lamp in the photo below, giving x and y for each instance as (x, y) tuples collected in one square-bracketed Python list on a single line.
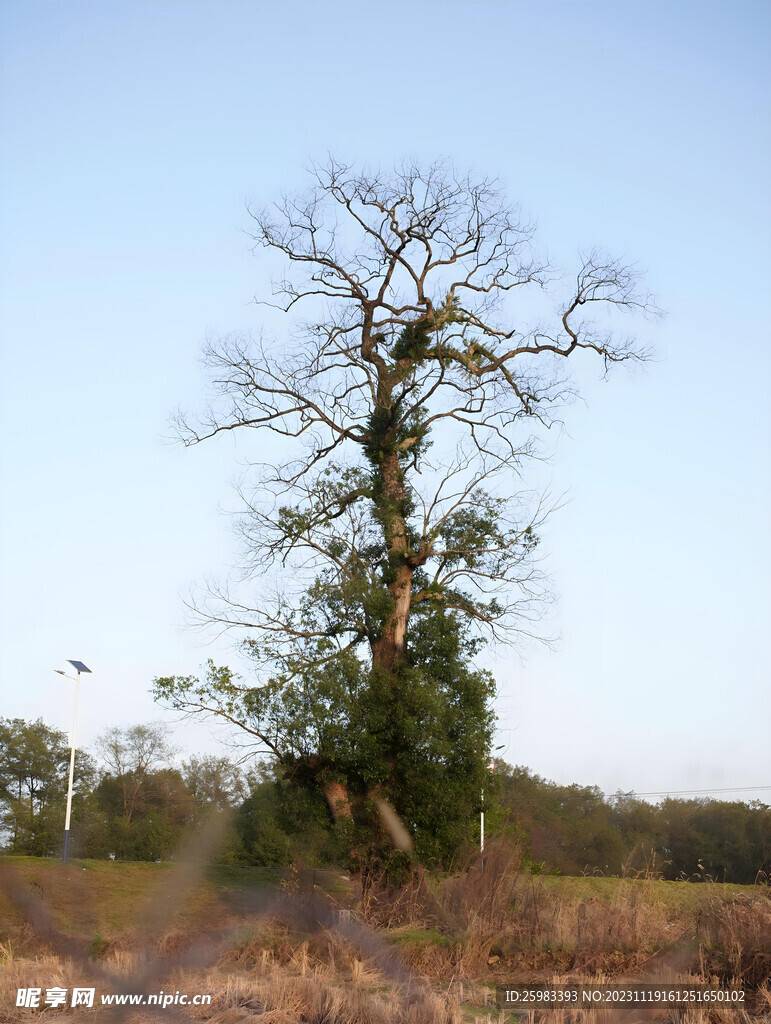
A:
[(79, 667)]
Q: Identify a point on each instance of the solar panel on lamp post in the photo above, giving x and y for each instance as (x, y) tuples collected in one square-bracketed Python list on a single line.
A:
[(79, 667)]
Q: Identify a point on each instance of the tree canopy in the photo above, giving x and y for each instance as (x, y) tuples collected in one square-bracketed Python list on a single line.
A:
[(394, 535), (34, 760)]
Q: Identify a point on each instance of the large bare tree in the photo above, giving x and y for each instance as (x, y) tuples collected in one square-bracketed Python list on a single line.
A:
[(425, 352)]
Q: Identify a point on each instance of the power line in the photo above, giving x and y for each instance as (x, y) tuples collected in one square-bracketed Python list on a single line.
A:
[(704, 792), (678, 792)]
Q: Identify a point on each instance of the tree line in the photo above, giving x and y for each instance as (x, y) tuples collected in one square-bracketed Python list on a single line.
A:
[(131, 802), (577, 830)]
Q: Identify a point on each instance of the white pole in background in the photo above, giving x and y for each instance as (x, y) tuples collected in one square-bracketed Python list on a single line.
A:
[(72, 770), (79, 667), (482, 814)]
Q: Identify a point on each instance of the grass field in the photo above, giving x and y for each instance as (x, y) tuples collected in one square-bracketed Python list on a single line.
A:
[(314, 947)]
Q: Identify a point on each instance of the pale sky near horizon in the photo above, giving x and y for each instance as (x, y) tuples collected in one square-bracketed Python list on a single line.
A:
[(134, 134)]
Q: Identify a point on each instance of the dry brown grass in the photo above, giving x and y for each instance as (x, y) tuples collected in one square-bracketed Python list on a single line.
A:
[(504, 911), (268, 980), (292, 961), (504, 924), (427, 952)]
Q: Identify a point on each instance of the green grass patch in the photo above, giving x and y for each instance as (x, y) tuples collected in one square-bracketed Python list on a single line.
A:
[(84, 897), (409, 935), (243, 876), (104, 897), (676, 896)]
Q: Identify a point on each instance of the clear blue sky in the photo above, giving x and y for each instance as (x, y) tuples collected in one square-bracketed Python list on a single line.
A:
[(133, 134)]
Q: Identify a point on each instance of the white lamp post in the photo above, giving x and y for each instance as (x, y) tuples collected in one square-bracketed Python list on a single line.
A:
[(79, 667), (482, 813)]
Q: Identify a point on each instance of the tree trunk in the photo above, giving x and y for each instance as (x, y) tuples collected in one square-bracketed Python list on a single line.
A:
[(338, 799), (389, 650)]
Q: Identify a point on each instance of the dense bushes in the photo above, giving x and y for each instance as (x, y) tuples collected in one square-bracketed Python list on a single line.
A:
[(280, 823)]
